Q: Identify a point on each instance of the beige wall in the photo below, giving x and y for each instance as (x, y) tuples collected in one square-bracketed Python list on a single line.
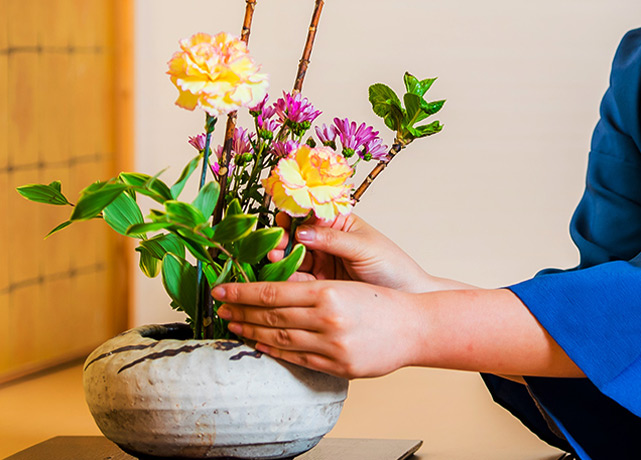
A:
[(487, 201)]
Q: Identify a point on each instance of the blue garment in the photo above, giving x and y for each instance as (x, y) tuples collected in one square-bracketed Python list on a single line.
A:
[(593, 311)]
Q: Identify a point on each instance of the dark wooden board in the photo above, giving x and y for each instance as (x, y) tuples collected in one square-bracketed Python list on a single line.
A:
[(100, 448)]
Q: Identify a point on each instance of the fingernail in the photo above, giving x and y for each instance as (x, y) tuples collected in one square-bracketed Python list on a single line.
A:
[(235, 328), (218, 293), (224, 313), (305, 233)]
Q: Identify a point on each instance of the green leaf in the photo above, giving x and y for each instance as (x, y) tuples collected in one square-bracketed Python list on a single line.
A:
[(234, 227), (210, 273), (147, 182), (148, 264), (207, 198), (95, 198), (138, 229), (177, 188), (425, 130), (41, 193), (58, 228), (430, 108), (256, 245), (383, 98), (414, 86), (197, 250), (122, 213), (184, 213), (249, 271), (180, 279), (196, 237), (413, 107), (160, 245), (394, 119), (284, 268), (223, 277), (234, 207)]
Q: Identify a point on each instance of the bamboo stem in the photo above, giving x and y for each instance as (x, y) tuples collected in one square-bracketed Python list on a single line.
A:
[(303, 64), (208, 322), (309, 44), (396, 147)]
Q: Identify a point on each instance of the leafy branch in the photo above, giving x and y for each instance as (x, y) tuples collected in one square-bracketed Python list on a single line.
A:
[(402, 119)]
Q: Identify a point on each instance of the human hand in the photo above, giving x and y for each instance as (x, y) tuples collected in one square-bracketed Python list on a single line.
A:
[(350, 249), (342, 328)]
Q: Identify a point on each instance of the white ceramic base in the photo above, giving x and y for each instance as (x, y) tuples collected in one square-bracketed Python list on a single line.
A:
[(206, 399)]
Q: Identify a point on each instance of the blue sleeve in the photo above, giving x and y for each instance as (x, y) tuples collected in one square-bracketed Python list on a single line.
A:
[(593, 311)]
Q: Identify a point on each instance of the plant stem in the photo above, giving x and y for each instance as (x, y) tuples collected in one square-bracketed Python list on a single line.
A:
[(201, 315), (309, 44), (303, 64), (296, 222), (231, 121), (396, 147), (250, 5)]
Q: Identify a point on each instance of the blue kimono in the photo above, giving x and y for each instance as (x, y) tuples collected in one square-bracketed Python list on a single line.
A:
[(593, 311)]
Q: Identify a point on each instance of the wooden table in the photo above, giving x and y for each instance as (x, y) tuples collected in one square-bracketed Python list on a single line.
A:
[(100, 448)]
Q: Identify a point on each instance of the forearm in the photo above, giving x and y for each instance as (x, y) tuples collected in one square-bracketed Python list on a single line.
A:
[(484, 330)]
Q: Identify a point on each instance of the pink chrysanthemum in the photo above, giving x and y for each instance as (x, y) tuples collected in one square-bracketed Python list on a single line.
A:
[(284, 149), (295, 109), (198, 142), (327, 135), (357, 139)]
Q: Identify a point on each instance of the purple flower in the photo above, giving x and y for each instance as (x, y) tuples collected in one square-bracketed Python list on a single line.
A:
[(353, 138), (295, 109), (375, 149), (265, 124), (241, 142), (198, 142), (327, 135), (283, 149), (258, 108)]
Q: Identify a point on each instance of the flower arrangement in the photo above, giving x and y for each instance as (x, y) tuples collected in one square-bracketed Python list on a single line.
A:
[(281, 164)]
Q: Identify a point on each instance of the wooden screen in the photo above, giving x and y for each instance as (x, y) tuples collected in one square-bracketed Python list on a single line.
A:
[(64, 72)]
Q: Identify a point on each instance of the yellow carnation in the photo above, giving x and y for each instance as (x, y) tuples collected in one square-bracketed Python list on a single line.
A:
[(216, 74), (311, 179)]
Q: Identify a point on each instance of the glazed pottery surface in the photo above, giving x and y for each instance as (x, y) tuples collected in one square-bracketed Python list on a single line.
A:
[(181, 398)]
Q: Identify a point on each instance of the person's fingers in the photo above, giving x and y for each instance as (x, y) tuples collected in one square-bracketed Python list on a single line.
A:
[(292, 317), (302, 276), (313, 361), (267, 294), (284, 339), (342, 244)]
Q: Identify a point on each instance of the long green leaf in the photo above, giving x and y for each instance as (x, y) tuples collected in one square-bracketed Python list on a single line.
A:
[(256, 245), (234, 227), (91, 203), (180, 279), (148, 264), (160, 245), (63, 225), (122, 213), (177, 188), (184, 213), (207, 198), (145, 181), (138, 229), (41, 193), (284, 268)]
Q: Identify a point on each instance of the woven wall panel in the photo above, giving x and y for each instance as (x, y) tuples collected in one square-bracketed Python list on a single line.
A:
[(58, 96)]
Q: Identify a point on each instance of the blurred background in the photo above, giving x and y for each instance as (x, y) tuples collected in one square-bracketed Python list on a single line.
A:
[(84, 94)]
